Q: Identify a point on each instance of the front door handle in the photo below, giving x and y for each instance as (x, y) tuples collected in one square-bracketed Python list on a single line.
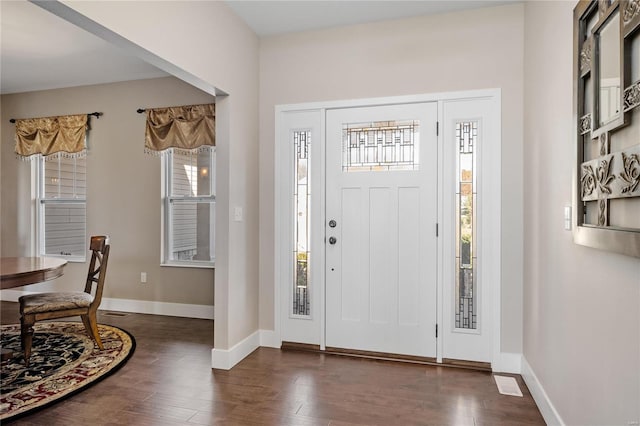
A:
[(332, 240)]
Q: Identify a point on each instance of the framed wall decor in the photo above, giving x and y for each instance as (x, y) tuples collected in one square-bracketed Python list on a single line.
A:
[(607, 125)]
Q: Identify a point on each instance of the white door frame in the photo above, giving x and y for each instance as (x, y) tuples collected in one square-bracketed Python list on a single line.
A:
[(491, 212)]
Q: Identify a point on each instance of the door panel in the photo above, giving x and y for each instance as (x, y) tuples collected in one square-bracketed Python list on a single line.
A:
[(352, 228), (408, 256), (381, 253), (381, 189)]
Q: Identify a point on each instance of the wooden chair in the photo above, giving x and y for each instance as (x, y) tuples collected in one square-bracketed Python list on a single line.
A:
[(44, 306)]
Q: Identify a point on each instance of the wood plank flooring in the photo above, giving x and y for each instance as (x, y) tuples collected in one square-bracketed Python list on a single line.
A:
[(169, 381)]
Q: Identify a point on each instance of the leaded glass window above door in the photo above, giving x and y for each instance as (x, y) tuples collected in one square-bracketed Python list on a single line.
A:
[(380, 146)]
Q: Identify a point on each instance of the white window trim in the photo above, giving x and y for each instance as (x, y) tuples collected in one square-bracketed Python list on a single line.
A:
[(37, 189), (165, 218)]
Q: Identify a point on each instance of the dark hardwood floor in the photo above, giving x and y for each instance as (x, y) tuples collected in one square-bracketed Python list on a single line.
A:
[(169, 381)]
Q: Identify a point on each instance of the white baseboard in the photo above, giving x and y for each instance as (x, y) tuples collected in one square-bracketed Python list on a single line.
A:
[(13, 295), (158, 308), (269, 339), (225, 359), (136, 306), (508, 363), (548, 411)]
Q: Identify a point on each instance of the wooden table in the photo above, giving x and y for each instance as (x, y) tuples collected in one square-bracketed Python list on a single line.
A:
[(19, 271)]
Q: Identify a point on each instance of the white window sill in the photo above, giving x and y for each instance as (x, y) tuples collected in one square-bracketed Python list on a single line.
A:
[(69, 259), (190, 264)]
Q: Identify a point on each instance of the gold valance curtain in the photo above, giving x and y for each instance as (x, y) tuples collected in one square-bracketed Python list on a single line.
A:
[(63, 135), (188, 128)]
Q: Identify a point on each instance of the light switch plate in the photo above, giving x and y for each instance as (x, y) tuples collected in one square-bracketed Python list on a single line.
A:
[(237, 214), (567, 218)]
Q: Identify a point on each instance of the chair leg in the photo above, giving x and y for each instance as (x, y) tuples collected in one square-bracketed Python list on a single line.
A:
[(91, 325), (26, 337)]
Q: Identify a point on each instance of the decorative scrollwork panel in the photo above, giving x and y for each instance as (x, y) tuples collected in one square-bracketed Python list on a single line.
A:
[(630, 15), (585, 124), (585, 56), (630, 173), (588, 183), (603, 6), (631, 96), (603, 212), (613, 176)]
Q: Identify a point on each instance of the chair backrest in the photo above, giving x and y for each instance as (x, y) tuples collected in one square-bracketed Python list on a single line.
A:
[(99, 247)]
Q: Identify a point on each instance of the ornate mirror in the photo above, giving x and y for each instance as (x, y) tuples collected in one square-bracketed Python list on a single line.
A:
[(606, 97)]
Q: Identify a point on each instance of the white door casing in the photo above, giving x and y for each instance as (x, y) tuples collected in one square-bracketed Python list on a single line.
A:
[(312, 329)]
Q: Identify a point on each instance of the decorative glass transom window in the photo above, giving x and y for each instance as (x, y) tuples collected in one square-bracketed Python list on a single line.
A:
[(380, 146), (302, 208), (466, 202)]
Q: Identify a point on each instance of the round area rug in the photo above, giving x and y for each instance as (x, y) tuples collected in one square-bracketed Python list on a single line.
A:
[(64, 360)]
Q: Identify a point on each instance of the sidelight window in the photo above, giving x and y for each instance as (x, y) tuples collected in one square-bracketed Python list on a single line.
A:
[(466, 291), (302, 197)]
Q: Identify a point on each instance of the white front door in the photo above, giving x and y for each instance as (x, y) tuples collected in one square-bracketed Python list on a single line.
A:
[(381, 213)]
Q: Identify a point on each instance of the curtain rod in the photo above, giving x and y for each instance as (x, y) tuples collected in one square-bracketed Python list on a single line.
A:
[(141, 110), (95, 114)]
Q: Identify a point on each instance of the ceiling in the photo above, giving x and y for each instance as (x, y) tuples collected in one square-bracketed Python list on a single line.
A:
[(41, 51), (268, 18), (54, 53)]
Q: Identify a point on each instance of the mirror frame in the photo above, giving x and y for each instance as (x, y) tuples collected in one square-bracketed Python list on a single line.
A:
[(602, 186)]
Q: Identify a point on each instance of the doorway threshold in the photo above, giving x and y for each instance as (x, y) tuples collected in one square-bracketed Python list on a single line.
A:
[(383, 356)]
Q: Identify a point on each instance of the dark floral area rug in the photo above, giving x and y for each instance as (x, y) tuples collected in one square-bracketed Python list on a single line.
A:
[(64, 360)]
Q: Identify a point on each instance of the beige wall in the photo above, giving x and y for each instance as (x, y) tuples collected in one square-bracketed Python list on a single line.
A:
[(207, 45), (123, 187), (581, 306), (476, 49)]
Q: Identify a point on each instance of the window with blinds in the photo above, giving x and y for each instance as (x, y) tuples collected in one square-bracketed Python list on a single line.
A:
[(62, 206), (189, 207)]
